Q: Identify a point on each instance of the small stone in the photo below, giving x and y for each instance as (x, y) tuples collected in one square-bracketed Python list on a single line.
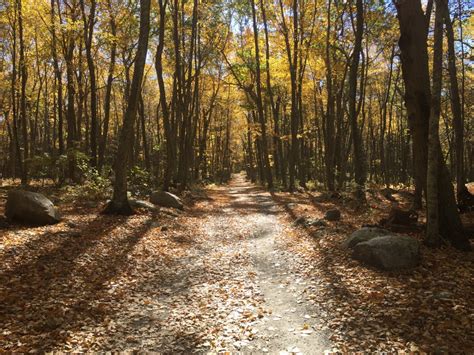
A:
[(300, 221), (317, 223), (443, 295), (333, 215), (71, 224)]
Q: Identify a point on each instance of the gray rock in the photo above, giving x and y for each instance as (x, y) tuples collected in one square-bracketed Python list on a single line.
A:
[(365, 234), (333, 215), (317, 222), (300, 221), (71, 224), (30, 208), (443, 295), (166, 199), (168, 212), (155, 224), (308, 222), (389, 252), (142, 204)]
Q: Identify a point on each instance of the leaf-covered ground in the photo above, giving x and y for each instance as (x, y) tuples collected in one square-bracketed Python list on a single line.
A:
[(230, 273)]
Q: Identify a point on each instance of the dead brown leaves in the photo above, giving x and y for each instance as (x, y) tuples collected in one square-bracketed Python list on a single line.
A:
[(160, 282), (428, 309), (182, 282)]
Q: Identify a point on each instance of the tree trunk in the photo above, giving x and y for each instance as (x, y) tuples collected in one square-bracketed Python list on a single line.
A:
[(24, 79), (274, 106), (359, 163), (108, 88), (163, 101), (456, 109), (89, 22), (414, 59), (119, 203), (432, 202), (329, 117), (260, 113)]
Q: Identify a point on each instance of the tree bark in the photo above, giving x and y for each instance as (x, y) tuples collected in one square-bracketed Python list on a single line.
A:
[(456, 109), (119, 203), (414, 59), (169, 168), (108, 88), (359, 163), (329, 117), (24, 79), (89, 22), (260, 113), (58, 76), (432, 202)]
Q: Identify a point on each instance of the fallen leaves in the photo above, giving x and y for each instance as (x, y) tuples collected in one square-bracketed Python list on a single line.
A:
[(101, 283), (427, 309)]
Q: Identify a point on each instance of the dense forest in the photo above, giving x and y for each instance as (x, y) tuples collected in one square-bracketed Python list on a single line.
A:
[(115, 99), (300, 94)]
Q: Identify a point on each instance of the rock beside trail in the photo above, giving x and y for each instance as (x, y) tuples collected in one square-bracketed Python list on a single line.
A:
[(166, 199), (333, 215), (389, 252), (310, 222), (142, 204), (30, 208), (365, 234)]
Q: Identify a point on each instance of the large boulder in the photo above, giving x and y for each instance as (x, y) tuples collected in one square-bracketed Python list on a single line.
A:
[(389, 252), (166, 199), (30, 208), (365, 234)]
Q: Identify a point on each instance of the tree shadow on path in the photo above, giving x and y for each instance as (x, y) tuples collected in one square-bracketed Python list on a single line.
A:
[(62, 287)]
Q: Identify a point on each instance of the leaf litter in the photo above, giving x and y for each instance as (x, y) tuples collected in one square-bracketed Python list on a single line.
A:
[(191, 282)]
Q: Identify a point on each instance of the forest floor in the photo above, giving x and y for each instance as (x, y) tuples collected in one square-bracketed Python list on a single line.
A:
[(231, 273)]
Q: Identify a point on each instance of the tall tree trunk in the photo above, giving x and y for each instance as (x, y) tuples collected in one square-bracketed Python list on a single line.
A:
[(292, 63), (278, 150), (89, 22), (108, 87), (169, 168), (359, 159), (70, 115), (119, 203), (261, 115), (383, 126), (146, 153), (456, 108), (329, 117), (24, 79), (18, 163), (186, 99), (432, 202), (58, 83), (414, 59)]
